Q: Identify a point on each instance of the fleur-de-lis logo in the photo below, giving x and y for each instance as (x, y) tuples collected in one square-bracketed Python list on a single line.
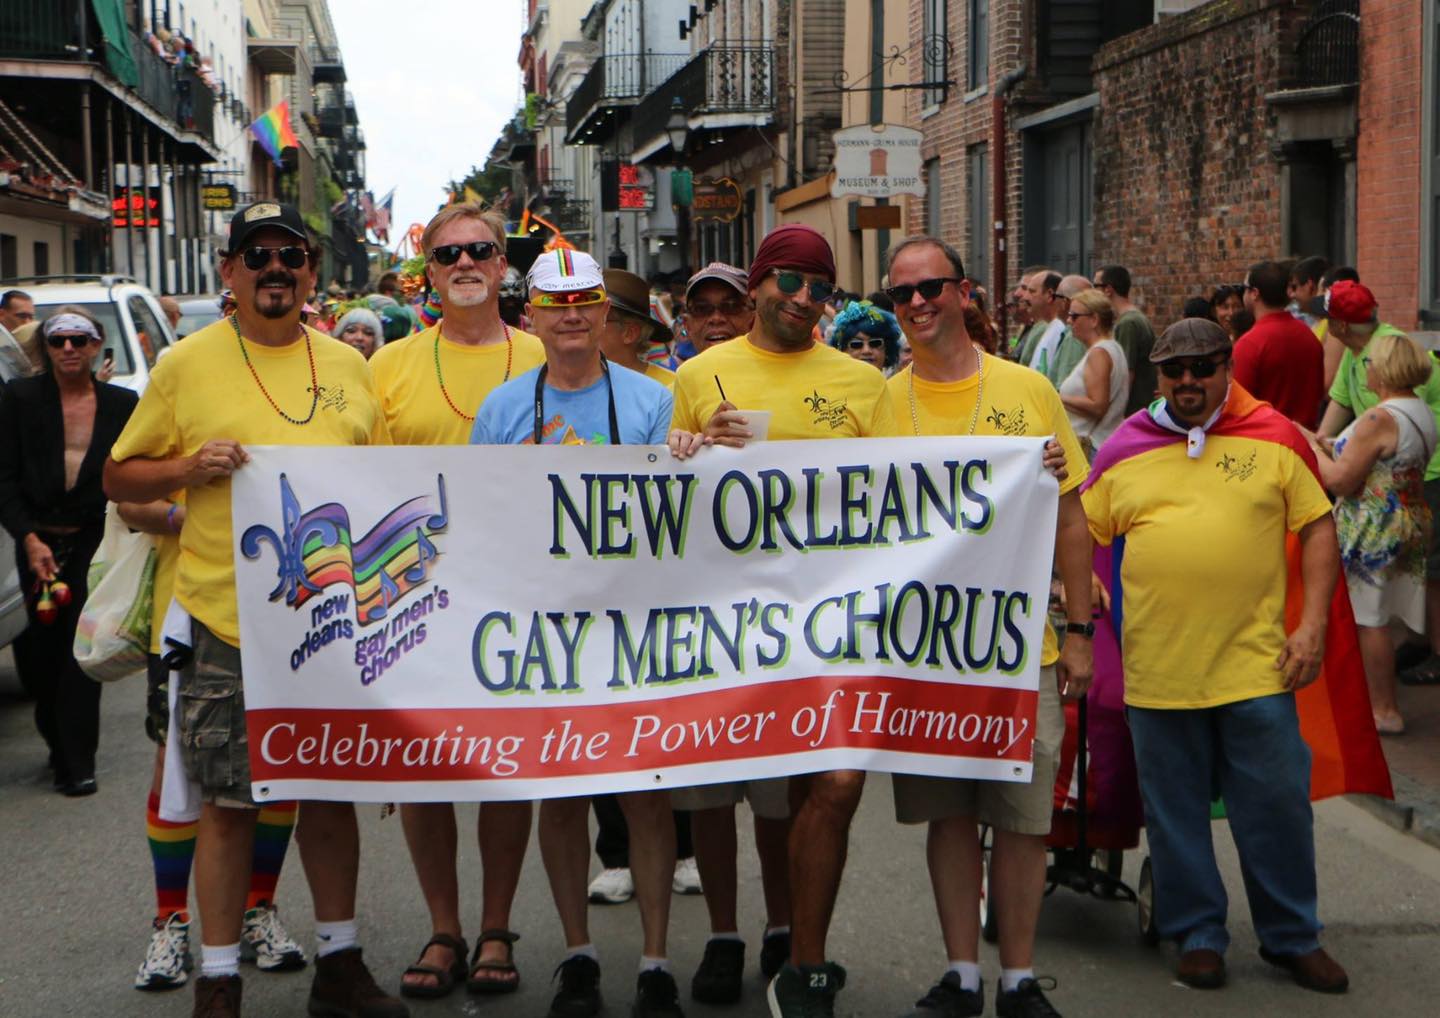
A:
[(290, 545), (1234, 468), (815, 401), (997, 417)]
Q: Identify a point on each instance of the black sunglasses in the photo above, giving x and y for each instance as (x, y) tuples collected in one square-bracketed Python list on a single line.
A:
[(256, 258), (928, 288), (1199, 367), (478, 250), (58, 342), (790, 283)]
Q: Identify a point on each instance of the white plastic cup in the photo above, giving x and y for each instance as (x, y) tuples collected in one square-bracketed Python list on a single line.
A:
[(758, 424)]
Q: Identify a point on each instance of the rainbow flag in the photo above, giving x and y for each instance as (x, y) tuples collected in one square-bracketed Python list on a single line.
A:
[(272, 130), (1334, 710)]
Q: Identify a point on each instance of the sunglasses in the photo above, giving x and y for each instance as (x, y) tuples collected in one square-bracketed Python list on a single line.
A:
[(863, 342), (568, 299), (478, 250), (1199, 367), (790, 283), (729, 308), (256, 258), (78, 342), (1073, 315), (927, 288)]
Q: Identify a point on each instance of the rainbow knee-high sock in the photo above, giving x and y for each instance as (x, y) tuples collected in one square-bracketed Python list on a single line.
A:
[(272, 841), (172, 850)]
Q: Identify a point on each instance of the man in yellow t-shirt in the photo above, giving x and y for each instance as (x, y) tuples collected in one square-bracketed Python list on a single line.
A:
[(261, 378), (810, 391), (1203, 487), (629, 326), (953, 388), (431, 385)]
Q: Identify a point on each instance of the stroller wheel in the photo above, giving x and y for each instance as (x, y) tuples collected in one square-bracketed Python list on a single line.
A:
[(1145, 904), (989, 920)]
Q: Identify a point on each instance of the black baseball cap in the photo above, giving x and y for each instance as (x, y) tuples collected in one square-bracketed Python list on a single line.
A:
[(258, 215)]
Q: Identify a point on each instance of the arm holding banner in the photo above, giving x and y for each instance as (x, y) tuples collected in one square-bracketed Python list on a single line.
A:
[(146, 480)]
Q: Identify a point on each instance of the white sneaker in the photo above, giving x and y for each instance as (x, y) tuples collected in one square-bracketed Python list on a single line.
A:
[(612, 887), (264, 941), (167, 959), (687, 877)]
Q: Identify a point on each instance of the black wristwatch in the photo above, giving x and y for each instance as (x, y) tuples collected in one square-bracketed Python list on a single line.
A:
[(1085, 629)]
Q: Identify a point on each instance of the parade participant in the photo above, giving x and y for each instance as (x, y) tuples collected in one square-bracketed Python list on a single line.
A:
[(361, 328), (812, 391), (1279, 360), (946, 390), (248, 379), (717, 306), (430, 385), (54, 427), (868, 334), (577, 398), (17, 308), (1037, 349), (1204, 487), (1069, 351), (1305, 284), (630, 327), (1133, 333), (1227, 302), (1383, 521), (1095, 391), (1022, 345)]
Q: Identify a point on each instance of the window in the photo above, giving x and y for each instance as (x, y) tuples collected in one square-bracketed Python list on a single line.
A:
[(977, 195), (9, 256), (934, 63), (42, 258), (932, 197), (978, 63)]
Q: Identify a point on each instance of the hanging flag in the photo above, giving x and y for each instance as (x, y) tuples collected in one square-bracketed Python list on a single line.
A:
[(384, 208), (272, 130)]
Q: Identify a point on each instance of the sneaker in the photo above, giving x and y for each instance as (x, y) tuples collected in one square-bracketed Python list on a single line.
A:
[(656, 996), (167, 959), (217, 997), (687, 877), (1025, 1001), (774, 953), (264, 941), (721, 972), (344, 988), (612, 887), (948, 998), (805, 991), (579, 993)]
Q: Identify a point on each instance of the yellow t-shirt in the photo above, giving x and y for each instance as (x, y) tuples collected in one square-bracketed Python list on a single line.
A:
[(664, 376), (1204, 570), (819, 393), (203, 390), (409, 389), (1017, 402)]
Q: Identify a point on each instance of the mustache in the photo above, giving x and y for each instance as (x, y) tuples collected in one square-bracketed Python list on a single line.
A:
[(283, 278), (1189, 389)]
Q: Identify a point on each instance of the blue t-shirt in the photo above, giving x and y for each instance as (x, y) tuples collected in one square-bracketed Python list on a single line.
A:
[(581, 417)]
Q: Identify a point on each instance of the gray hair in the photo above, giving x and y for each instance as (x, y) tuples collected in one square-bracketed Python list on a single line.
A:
[(361, 316)]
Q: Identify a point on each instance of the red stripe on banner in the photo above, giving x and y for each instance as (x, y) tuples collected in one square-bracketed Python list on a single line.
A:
[(563, 740)]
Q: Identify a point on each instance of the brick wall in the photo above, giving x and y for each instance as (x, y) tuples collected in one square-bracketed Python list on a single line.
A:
[(1387, 193), (1187, 191)]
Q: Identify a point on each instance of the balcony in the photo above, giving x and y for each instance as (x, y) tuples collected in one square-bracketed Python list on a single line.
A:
[(722, 86), (328, 67), (615, 81), (331, 120), (352, 117), (556, 186)]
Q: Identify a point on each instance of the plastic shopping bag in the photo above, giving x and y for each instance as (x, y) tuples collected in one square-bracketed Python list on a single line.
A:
[(113, 635)]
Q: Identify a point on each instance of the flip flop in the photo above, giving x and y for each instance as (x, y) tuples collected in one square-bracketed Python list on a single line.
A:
[(446, 979), (506, 969)]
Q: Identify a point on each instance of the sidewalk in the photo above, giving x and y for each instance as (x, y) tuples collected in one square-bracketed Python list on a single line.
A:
[(1414, 767)]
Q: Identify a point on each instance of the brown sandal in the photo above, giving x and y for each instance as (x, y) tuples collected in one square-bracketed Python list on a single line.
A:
[(510, 981), (446, 979)]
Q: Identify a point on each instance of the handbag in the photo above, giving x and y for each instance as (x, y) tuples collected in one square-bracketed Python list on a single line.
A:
[(112, 638)]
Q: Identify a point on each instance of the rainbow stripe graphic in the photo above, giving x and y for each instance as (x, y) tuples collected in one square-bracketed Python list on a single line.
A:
[(317, 551), (565, 262), (272, 130)]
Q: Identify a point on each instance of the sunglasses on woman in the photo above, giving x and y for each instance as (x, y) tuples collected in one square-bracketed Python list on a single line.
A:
[(58, 342), (927, 288), (1199, 367), (256, 258), (478, 250), (790, 283), (862, 342)]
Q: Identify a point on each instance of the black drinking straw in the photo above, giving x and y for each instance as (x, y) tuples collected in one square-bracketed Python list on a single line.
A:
[(722, 389)]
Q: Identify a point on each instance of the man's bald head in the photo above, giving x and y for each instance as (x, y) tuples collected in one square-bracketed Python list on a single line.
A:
[(1071, 285)]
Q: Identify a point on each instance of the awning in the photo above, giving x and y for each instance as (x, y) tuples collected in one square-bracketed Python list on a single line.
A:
[(272, 56), (113, 29)]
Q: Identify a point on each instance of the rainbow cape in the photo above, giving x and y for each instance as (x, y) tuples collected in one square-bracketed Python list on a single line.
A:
[(1334, 710), (272, 130)]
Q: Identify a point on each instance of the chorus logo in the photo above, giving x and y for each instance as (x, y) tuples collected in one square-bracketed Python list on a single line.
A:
[(316, 550)]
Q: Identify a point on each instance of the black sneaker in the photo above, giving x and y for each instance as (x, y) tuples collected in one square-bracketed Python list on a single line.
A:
[(579, 993), (805, 991), (774, 953), (1025, 1001), (718, 979), (656, 996), (949, 999)]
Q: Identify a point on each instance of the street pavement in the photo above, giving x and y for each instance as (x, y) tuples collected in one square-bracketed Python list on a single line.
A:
[(78, 894)]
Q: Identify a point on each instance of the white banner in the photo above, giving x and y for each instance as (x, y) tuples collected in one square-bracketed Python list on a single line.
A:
[(492, 622)]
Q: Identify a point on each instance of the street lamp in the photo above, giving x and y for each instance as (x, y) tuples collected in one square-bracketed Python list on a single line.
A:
[(677, 127)]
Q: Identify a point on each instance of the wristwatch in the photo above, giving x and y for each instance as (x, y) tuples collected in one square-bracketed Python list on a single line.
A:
[(1085, 629)]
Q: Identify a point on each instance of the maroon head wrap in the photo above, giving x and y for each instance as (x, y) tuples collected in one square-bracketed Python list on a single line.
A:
[(793, 246)]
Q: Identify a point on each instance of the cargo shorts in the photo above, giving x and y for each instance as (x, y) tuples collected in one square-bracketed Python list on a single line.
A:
[(210, 707), (769, 798)]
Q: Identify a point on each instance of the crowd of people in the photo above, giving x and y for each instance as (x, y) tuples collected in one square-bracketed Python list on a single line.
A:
[(1148, 433)]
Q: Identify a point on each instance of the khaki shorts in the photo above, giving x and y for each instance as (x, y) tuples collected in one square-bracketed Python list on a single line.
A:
[(1006, 805), (769, 798), (211, 720)]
